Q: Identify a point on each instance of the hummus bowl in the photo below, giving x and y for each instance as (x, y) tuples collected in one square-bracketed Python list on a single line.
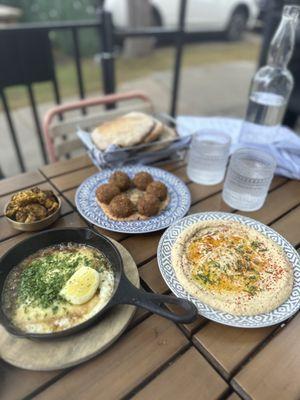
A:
[(169, 245)]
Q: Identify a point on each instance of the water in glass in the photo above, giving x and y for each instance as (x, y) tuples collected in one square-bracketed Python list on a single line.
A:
[(248, 178), (208, 157)]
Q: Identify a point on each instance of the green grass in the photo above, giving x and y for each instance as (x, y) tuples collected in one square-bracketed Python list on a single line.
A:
[(128, 69)]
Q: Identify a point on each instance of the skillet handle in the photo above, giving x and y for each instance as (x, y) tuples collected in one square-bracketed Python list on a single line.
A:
[(129, 294)]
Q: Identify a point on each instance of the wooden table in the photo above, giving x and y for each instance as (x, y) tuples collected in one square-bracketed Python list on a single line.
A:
[(155, 358)]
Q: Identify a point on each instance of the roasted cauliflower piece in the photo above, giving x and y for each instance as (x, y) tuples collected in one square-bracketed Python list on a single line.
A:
[(32, 205)]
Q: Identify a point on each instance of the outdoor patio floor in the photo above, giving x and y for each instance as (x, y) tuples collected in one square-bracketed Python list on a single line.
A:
[(212, 89)]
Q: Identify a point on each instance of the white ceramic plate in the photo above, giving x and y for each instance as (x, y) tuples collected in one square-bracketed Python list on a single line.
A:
[(179, 204), (283, 312)]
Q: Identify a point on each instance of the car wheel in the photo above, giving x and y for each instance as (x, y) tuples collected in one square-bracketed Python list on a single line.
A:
[(156, 17), (237, 25), (156, 23)]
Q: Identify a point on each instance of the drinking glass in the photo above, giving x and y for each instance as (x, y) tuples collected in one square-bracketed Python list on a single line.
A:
[(208, 157), (248, 178)]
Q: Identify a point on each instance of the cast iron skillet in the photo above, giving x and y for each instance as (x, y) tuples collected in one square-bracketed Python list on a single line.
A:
[(124, 292)]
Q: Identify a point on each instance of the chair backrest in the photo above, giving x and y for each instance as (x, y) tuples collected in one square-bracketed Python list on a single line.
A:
[(60, 137)]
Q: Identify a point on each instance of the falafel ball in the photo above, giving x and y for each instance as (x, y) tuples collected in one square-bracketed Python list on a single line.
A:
[(142, 180), (121, 206), (158, 189), (121, 180), (106, 192), (148, 205)]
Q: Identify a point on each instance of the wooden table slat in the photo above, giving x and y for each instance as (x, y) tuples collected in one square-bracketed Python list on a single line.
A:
[(150, 274), (65, 166), (228, 347), (212, 203), (138, 362), (233, 396), (190, 375), (68, 221), (216, 203), (19, 182), (171, 165), (33, 380), (288, 226), (143, 247), (278, 202), (17, 383), (277, 181), (199, 192), (73, 179), (274, 372), (116, 372), (70, 195)]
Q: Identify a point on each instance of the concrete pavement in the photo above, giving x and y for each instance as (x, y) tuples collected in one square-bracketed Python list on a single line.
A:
[(212, 89)]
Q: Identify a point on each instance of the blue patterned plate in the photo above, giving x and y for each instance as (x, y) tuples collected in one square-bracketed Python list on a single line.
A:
[(180, 201), (286, 310)]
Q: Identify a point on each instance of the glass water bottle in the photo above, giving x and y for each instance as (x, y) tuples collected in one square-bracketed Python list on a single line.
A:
[(272, 84)]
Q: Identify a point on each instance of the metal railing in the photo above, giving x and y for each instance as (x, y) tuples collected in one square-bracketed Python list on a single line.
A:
[(107, 36), (108, 79)]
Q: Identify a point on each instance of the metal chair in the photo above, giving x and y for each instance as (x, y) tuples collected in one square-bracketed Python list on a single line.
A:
[(60, 136)]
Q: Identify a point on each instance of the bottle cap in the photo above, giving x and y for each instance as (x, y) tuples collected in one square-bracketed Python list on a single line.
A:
[(291, 12)]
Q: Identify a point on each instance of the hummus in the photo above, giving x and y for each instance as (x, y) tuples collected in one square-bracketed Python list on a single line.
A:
[(232, 267)]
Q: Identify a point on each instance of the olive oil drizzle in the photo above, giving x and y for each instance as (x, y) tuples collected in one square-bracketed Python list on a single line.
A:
[(244, 272)]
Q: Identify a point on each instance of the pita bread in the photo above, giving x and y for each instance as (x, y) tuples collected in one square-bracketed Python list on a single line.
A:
[(167, 134), (155, 133), (164, 139), (125, 131)]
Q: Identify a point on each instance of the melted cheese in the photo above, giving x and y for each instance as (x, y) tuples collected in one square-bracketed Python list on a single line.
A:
[(62, 314)]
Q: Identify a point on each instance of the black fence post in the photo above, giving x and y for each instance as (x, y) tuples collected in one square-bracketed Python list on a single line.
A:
[(55, 87), (106, 53), (12, 131), (178, 57), (78, 65), (56, 94), (37, 122)]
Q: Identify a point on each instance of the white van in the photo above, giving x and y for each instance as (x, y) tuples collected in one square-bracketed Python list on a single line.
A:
[(232, 17)]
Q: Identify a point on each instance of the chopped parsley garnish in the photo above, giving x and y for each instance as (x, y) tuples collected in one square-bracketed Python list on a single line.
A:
[(215, 264), (44, 277), (253, 278), (251, 289), (255, 244), (204, 278), (240, 249), (239, 265)]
